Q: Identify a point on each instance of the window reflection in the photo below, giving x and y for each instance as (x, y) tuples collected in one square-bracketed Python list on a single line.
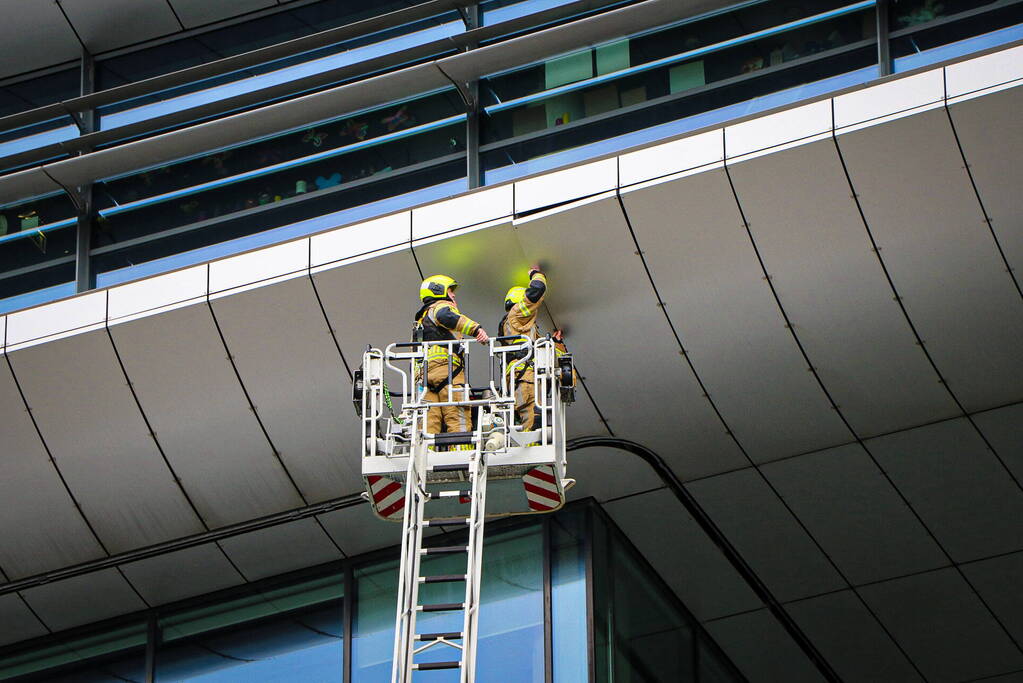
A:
[(295, 629), (642, 633), (38, 91), (113, 654), (236, 39), (919, 27), (305, 645), (668, 74), (37, 244), (909, 13)]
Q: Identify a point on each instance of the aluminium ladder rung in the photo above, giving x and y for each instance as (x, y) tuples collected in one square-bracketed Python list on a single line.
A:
[(443, 607), (443, 578), (453, 635), (459, 467), (427, 666), (457, 493), (441, 521), (444, 550)]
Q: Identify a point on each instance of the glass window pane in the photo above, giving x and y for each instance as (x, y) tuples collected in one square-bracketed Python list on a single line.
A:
[(956, 28), (568, 596), (510, 645), (376, 591), (37, 245), (236, 39), (642, 632), (282, 174), (290, 632), (908, 13), (302, 645), (666, 75), (112, 654), (39, 91)]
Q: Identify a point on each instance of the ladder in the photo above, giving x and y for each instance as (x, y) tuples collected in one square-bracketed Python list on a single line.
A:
[(406, 469), (408, 643)]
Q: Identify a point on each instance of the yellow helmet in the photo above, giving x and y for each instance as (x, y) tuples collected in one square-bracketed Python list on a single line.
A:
[(437, 286), (515, 295)]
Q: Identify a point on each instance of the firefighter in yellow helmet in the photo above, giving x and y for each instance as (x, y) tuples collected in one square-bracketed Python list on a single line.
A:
[(521, 305), (439, 319)]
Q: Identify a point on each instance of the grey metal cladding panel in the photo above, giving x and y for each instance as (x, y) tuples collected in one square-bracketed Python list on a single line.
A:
[(1013, 677), (90, 421), (40, 526), (811, 237), (707, 273), (942, 626), (486, 263), (35, 35), (357, 530), (293, 372), (605, 303), (998, 582), (370, 302), (957, 486), (182, 574), (763, 651), (754, 519), (1003, 428), (109, 24), (16, 621), (282, 548), (992, 141), (923, 213), (83, 599), (855, 514), (191, 395), (851, 640), (198, 12), (606, 473), (682, 554)]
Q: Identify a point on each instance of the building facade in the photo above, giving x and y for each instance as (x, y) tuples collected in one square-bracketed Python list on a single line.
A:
[(798, 446)]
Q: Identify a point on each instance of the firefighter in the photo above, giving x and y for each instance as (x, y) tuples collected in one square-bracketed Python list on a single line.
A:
[(439, 319), (521, 305)]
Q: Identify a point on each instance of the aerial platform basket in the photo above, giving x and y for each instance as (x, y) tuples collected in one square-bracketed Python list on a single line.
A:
[(526, 470)]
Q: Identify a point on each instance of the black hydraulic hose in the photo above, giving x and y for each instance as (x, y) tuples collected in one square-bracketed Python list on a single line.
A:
[(719, 539)]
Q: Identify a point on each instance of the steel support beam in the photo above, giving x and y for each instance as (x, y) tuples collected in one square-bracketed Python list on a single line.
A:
[(884, 53), (471, 17)]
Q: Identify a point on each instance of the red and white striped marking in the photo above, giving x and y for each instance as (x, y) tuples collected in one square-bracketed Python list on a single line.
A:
[(541, 489), (388, 496)]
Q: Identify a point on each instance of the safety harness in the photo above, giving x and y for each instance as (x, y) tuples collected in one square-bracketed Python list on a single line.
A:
[(426, 328)]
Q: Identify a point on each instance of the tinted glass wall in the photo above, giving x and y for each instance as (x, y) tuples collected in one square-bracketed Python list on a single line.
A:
[(555, 588)]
